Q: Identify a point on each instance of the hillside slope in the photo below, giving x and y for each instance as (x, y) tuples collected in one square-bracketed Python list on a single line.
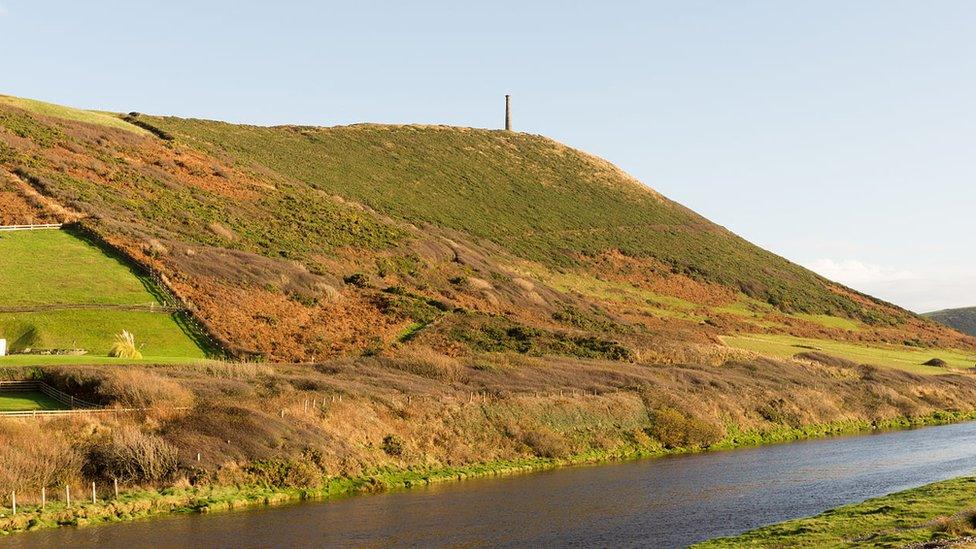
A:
[(298, 243), (963, 319)]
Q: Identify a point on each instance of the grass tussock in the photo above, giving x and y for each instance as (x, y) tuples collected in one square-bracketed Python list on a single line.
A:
[(428, 363), (125, 346)]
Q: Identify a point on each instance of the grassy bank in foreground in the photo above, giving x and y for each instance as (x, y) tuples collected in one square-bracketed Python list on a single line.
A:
[(136, 504), (940, 512)]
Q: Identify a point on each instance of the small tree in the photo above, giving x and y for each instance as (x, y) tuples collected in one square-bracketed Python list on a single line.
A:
[(125, 346)]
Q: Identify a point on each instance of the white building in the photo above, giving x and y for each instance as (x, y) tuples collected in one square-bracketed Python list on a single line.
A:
[(3, 347)]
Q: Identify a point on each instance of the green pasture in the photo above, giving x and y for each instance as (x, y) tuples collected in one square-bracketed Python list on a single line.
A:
[(56, 267), (45, 271), (26, 401), (905, 358)]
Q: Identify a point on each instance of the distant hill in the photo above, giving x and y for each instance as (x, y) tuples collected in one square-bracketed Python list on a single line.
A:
[(963, 319), (298, 242)]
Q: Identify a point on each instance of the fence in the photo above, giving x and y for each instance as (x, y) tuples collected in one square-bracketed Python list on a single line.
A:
[(66, 500), (75, 405), (30, 227)]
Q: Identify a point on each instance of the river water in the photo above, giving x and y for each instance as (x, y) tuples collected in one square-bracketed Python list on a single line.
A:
[(668, 502)]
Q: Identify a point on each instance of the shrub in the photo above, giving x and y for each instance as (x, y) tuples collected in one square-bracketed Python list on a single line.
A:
[(360, 280), (302, 471), (393, 445), (32, 460), (676, 430), (129, 387), (546, 443), (132, 456)]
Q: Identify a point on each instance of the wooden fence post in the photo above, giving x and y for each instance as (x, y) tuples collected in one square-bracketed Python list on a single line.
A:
[(115, 483), (13, 496), (43, 498), (93, 493), (67, 494)]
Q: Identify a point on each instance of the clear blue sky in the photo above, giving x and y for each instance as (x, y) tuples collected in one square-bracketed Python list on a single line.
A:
[(838, 134)]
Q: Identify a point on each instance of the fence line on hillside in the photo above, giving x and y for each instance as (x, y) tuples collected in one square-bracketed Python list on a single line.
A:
[(76, 404), (40, 226), (148, 308)]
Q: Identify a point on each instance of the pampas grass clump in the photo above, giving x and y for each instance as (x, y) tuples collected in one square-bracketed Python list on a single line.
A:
[(125, 346)]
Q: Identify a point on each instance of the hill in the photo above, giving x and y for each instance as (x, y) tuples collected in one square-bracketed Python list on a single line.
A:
[(963, 319), (297, 243), (401, 304)]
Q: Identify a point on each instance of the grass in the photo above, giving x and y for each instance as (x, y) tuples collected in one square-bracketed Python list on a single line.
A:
[(82, 360), (659, 305), (27, 401), (905, 358), (831, 321), (534, 197), (157, 334), (109, 120), (57, 267), (47, 269), (939, 511)]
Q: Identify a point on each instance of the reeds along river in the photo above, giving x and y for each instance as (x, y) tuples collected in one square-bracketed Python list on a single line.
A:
[(667, 502)]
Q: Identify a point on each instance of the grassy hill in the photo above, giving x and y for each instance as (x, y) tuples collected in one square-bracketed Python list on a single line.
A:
[(297, 243), (963, 319)]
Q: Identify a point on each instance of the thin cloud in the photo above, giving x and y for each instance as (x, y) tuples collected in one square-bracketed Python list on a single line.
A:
[(3, 10), (852, 272)]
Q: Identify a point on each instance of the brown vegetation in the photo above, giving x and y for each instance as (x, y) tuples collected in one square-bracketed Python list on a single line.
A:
[(294, 425)]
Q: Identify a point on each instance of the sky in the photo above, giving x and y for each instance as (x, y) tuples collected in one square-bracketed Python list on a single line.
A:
[(837, 134)]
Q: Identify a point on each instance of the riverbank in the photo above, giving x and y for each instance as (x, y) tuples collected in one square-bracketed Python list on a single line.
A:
[(940, 514), (136, 504)]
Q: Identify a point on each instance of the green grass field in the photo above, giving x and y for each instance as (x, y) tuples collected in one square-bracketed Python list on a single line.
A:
[(56, 267), (937, 511), (42, 269), (157, 334), (16, 401), (909, 359)]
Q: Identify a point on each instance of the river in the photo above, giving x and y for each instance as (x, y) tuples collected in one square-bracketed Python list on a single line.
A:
[(667, 502)]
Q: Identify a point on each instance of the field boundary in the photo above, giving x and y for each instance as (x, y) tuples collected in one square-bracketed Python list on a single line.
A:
[(43, 226), (75, 405), (148, 308)]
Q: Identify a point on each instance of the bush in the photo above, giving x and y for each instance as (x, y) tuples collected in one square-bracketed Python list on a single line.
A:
[(132, 456), (546, 443), (128, 387), (393, 445), (32, 460), (676, 430)]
